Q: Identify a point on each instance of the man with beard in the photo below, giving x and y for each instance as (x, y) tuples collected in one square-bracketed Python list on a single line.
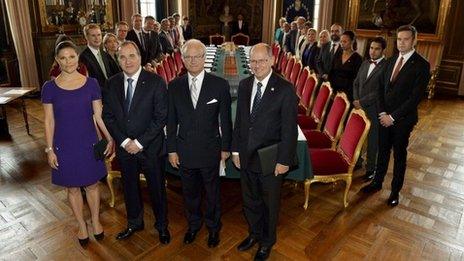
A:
[(329, 50)]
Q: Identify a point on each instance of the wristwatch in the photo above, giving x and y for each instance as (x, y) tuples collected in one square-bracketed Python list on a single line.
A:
[(47, 150)]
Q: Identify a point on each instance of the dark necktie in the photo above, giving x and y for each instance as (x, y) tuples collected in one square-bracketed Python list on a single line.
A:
[(397, 70), (129, 93), (256, 102), (332, 52), (373, 62), (142, 41)]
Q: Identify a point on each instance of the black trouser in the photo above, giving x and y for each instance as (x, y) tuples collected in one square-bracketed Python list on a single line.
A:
[(153, 169), (261, 203), (193, 180), (396, 137), (373, 138)]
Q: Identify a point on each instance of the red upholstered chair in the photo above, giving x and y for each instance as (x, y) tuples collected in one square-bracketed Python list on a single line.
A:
[(300, 83), (333, 126), (172, 66), (167, 69), (315, 119), (289, 68), (282, 62), (332, 165), (296, 70), (161, 72), (275, 53), (307, 96), (240, 39), (217, 39)]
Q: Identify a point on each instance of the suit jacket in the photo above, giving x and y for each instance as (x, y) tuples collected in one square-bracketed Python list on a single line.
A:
[(194, 133), (275, 122), (401, 97), (91, 63), (324, 60), (154, 46), (287, 47), (309, 56), (166, 46), (132, 36), (188, 32), (365, 89), (236, 29), (278, 36), (292, 45), (147, 115)]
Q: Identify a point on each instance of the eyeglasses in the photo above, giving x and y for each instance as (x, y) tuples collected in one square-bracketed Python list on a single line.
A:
[(191, 58), (259, 62)]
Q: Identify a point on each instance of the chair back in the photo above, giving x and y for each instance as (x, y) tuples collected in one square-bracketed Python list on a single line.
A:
[(172, 66), (300, 83), (296, 70), (167, 70), (276, 53), (289, 68), (308, 93), (282, 63), (352, 139), (178, 61), (336, 117), (161, 72), (240, 39), (320, 105), (217, 39)]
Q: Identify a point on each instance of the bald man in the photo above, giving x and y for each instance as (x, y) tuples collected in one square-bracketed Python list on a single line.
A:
[(199, 104), (266, 118)]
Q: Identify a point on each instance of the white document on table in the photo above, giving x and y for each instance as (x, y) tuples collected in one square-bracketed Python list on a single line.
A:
[(301, 136), (4, 99), (16, 92), (222, 168)]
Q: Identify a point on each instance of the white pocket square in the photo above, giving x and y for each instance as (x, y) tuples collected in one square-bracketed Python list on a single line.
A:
[(212, 101)]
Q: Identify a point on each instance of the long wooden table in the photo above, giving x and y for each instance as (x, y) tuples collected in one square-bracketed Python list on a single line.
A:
[(8, 95)]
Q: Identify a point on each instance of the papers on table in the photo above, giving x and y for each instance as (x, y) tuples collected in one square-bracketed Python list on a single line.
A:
[(301, 136), (207, 70), (16, 92), (208, 60), (4, 99), (208, 65)]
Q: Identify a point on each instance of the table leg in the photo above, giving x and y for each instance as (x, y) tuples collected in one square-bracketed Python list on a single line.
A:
[(23, 106), (4, 133)]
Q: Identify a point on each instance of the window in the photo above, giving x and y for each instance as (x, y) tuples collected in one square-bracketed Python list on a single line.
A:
[(147, 7), (316, 13)]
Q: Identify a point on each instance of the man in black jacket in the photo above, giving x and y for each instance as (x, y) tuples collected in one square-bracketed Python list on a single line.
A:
[(266, 115), (135, 112), (401, 87), (199, 135)]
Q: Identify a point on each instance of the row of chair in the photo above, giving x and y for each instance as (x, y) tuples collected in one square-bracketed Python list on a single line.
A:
[(334, 147), (170, 67), (237, 39)]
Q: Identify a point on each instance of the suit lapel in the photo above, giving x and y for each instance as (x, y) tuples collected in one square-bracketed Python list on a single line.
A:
[(410, 63), (376, 69), (120, 90), (185, 92), (139, 90), (248, 97), (203, 92), (268, 93)]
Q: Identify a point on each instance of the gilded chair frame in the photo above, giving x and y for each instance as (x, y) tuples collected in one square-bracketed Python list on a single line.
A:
[(338, 133), (298, 73), (313, 94), (297, 81), (324, 111), (347, 177)]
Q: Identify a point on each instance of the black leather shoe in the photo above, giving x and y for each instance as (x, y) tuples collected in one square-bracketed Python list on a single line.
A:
[(263, 253), (247, 244), (369, 175), (372, 187), (164, 236), (393, 200), (84, 242), (127, 233), (190, 237), (100, 236), (213, 239)]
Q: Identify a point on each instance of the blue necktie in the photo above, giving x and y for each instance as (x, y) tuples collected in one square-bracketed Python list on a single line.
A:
[(129, 94), (256, 102)]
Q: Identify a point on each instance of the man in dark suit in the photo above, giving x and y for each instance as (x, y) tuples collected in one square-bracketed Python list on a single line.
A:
[(187, 29), (135, 112), (286, 39), (166, 41), (139, 37), (365, 93), (99, 64), (199, 103), (329, 51), (293, 35), (240, 26), (402, 86), (152, 40), (266, 115)]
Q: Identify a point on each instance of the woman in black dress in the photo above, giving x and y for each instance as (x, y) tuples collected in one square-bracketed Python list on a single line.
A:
[(345, 65)]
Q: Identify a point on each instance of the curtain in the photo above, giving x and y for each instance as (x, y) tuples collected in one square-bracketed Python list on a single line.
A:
[(21, 32), (325, 14), (128, 8)]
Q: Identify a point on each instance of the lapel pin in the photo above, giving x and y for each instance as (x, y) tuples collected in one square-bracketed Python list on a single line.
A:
[(272, 89)]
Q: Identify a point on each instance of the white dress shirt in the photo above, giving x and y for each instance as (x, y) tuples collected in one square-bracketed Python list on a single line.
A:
[(406, 57), (135, 79), (373, 65), (255, 88), (198, 83), (94, 51)]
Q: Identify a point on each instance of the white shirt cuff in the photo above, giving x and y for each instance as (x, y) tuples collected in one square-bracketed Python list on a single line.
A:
[(382, 113), (138, 144), (235, 153), (391, 118), (124, 143)]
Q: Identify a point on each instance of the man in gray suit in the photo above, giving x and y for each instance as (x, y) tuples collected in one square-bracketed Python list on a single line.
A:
[(328, 51), (365, 93)]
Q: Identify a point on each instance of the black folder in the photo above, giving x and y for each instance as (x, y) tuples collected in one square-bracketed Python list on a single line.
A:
[(268, 159)]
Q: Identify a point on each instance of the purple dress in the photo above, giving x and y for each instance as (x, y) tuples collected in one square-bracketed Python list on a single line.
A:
[(74, 134)]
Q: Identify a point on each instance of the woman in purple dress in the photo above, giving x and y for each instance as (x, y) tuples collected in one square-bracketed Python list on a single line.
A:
[(72, 105)]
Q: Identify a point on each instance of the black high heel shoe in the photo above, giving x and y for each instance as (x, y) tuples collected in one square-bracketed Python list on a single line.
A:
[(83, 242), (100, 236)]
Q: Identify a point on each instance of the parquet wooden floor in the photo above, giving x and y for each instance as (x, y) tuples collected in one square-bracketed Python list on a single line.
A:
[(36, 221)]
